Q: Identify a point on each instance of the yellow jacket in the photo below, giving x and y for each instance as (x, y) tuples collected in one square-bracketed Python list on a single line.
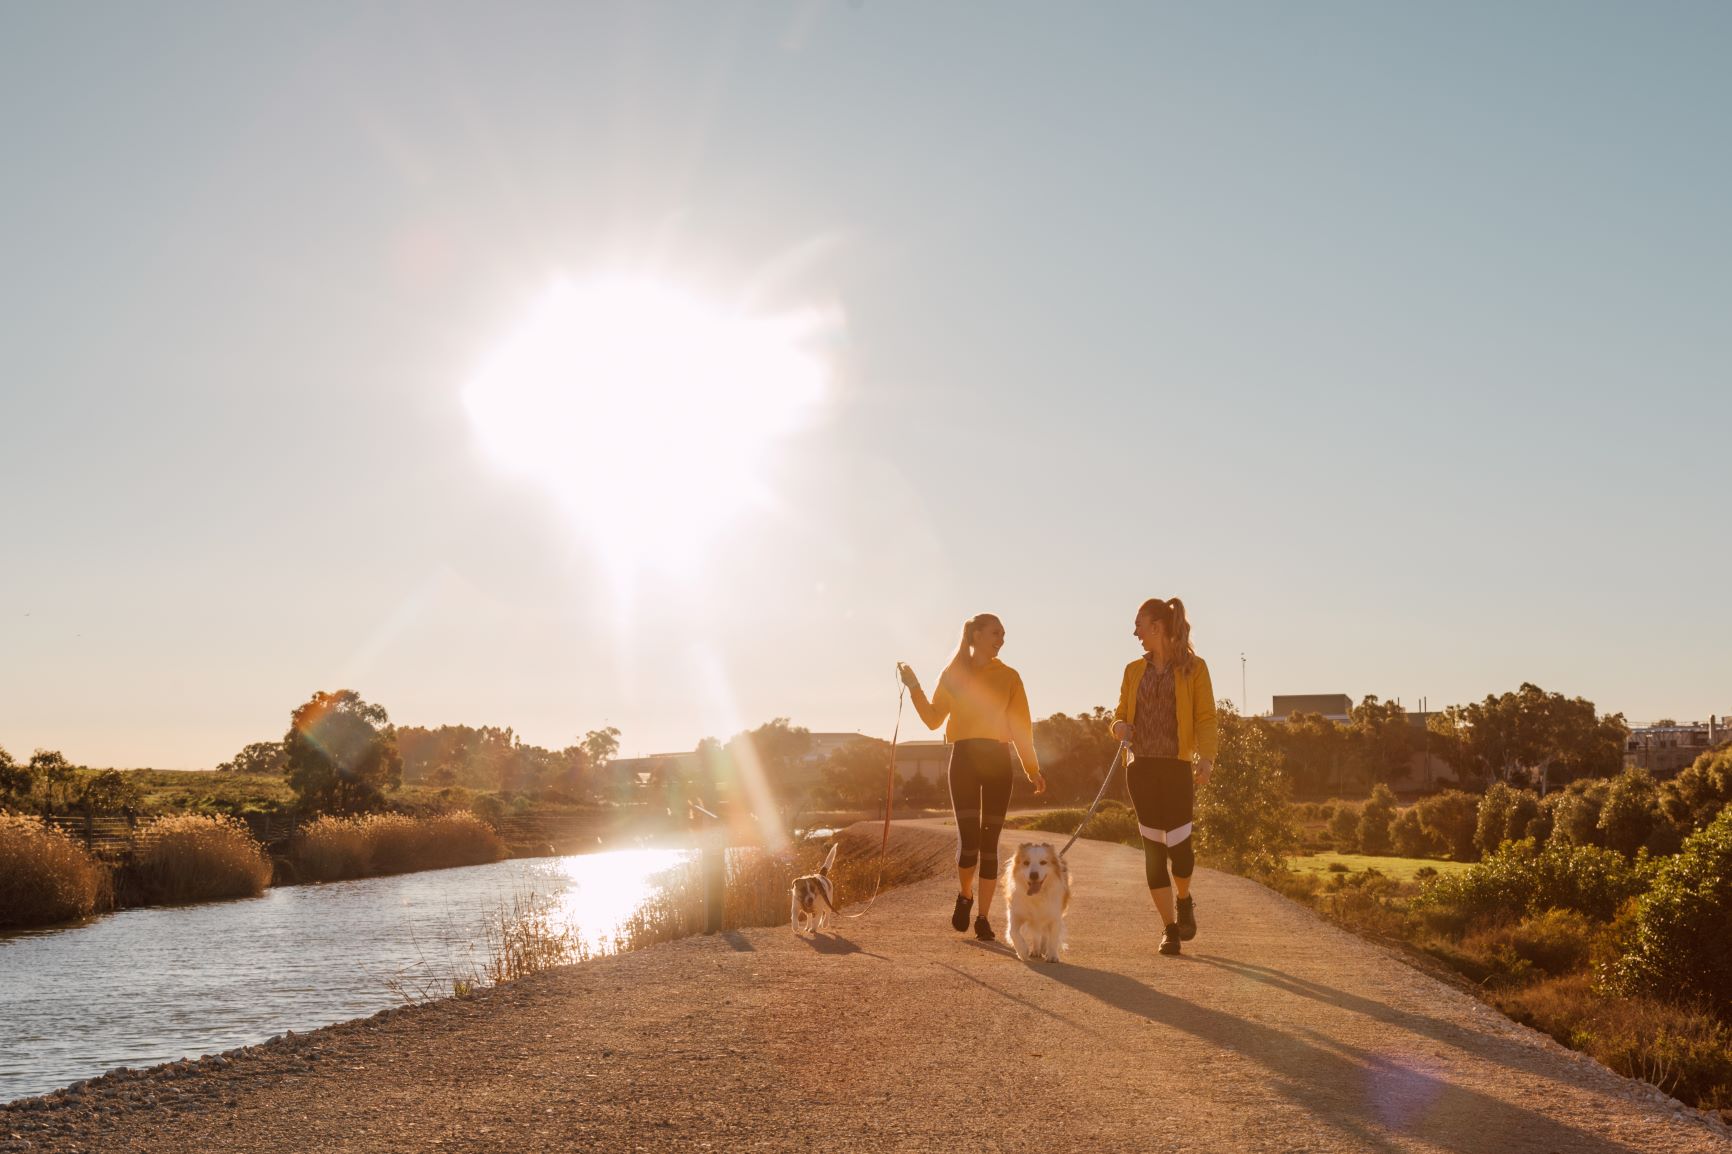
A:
[(1193, 703), (987, 702)]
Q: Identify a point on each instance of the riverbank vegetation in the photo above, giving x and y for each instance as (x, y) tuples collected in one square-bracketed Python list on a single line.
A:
[(524, 938), (194, 858), (337, 848), (46, 877)]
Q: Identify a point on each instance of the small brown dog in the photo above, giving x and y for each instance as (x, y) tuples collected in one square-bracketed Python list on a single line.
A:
[(813, 897)]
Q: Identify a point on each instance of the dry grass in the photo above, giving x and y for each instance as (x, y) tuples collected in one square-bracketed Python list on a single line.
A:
[(334, 848), (1539, 970), (195, 858), (1685, 1052), (331, 849), (46, 877)]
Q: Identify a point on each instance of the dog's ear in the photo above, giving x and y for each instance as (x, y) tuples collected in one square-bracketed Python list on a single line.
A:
[(829, 859)]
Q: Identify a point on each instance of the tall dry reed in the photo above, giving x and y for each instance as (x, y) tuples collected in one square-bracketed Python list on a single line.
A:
[(333, 848), (45, 876), (198, 857)]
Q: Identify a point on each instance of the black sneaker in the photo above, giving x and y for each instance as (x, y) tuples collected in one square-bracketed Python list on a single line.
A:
[(1170, 941), (1187, 920), (983, 929), (959, 916)]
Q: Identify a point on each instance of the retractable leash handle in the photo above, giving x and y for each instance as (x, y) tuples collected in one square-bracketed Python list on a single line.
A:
[(1123, 748)]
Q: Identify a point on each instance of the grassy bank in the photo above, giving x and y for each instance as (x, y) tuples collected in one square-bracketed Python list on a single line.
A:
[(523, 938), (1546, 942)]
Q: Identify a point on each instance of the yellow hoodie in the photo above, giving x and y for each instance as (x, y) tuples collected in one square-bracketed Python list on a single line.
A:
[(988, 701), (1193, 703)]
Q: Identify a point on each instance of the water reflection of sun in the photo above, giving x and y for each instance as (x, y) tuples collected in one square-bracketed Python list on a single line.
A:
[(595, 904)]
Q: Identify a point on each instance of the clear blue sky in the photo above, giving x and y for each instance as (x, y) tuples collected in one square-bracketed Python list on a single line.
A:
[(1393, 339)]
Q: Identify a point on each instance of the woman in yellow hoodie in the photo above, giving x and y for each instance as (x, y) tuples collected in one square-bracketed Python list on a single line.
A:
[(987, 708), (1166, 711)]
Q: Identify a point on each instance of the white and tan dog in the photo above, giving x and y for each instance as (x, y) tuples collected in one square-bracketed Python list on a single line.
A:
[(814, 897), (1037, 891)]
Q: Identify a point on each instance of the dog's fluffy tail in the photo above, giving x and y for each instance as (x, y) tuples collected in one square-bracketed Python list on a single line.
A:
[(829, 860)]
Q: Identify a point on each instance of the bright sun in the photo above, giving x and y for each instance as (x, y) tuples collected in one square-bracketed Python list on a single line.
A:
[(647, 411)]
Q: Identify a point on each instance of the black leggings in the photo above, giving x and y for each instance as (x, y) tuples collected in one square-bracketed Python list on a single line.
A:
[(1161, 789), (980, 793)]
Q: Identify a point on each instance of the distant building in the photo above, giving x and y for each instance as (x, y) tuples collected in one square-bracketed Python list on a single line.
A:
[(924, 759), (1334, 706), (1424, 773), (1665, 749)]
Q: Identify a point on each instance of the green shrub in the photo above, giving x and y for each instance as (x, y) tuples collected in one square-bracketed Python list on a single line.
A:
[(1505, 814), (1244, 822), (1344, 828), (1683, 934), (45, 876), (1523, 880), (195, 858), (1451, 817), (1410, 837), (1493, 817), (1576, 812), (1630, 812), (1556, 942), (1114, 821), (1697, 795), (1375, 819)]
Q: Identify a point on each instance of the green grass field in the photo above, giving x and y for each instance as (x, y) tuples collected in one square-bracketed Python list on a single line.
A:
[(175, 790), (1400, 869)]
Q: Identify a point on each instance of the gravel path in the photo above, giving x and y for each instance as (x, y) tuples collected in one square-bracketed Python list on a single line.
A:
[(1274, 1032)]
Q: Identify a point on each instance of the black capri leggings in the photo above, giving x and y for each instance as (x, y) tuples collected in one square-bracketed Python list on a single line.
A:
[(1161, 789), (980, 793)]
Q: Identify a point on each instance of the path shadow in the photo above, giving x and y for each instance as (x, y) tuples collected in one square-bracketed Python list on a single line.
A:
[(1485, 1044), (1385, 1101), (1019, 999), (834, 943), (738, 942)]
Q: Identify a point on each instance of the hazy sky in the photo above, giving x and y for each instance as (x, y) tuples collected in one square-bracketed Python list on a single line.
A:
[(1393, 339)]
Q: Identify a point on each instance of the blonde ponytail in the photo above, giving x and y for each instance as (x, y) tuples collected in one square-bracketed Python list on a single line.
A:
[(965, 648)]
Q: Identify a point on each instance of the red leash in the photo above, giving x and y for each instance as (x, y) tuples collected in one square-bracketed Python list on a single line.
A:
[(889, 805)]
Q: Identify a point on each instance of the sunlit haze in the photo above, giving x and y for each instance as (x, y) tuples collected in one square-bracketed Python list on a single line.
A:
[(677, 368)]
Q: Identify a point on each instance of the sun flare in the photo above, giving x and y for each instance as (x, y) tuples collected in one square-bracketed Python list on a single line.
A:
[(648, 411)]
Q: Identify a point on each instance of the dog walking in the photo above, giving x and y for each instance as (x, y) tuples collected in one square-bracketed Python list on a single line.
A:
[(987, 711), (1166, 711)]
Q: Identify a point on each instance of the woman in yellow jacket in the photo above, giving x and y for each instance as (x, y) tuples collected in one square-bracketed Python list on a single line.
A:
[(987, 708), (1166, 711)]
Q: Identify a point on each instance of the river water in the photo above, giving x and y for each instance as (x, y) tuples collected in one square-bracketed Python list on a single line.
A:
[(154, 985)]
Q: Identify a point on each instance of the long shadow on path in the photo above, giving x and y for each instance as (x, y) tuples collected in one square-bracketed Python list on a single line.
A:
[(1481, 1043), (1380, 1099)]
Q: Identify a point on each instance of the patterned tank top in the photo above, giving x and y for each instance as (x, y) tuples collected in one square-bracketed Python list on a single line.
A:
[(1155, 733)]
